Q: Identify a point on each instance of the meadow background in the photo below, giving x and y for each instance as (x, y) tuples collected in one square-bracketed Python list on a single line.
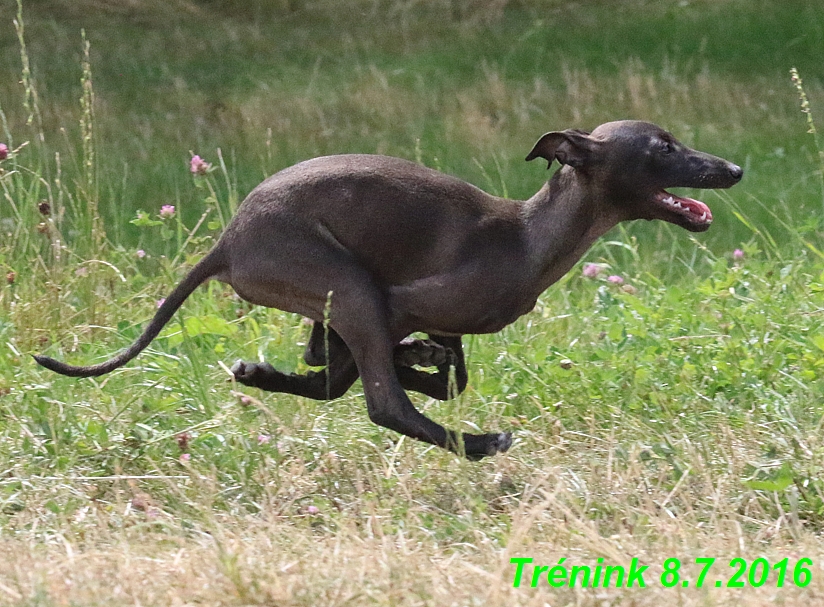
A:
[(676, 415)]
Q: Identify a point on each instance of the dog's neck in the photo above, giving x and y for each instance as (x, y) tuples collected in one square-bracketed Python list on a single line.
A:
[(561, 223)]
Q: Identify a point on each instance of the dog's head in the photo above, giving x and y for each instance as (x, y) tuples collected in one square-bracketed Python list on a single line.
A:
[(630, 164)]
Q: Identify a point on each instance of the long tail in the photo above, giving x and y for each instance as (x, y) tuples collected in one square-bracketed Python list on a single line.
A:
[(206, 268)]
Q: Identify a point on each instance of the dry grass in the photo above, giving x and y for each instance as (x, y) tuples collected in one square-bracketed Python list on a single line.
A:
[(271, 564), (395, 536)]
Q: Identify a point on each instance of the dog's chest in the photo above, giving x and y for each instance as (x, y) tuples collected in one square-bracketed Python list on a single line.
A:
[(480, 309), (507, 311)]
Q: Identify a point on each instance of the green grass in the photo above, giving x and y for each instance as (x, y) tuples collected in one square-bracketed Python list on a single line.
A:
[(677, 416), (464, 91)]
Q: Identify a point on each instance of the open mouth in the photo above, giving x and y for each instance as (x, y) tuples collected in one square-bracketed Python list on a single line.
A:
[(695, 211)]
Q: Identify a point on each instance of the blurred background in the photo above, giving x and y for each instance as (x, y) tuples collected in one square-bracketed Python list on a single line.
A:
[(465, 86)]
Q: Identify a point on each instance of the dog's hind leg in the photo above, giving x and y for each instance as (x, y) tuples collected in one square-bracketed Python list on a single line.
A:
[(448, 356), (444, 353), (330, 383), (327, 384), (322, 340)]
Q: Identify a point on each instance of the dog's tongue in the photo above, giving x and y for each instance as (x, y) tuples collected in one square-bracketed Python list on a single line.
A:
[(694, 209)]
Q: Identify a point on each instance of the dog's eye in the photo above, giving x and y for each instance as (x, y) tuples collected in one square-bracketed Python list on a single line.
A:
[(666, 147)]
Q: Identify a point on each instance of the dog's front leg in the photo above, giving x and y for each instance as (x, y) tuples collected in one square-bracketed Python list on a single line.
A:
[(390, 407)]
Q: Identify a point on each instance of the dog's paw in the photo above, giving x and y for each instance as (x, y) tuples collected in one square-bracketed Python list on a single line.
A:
[(421, 352), (496, 443), (249, 373), (501, 443)]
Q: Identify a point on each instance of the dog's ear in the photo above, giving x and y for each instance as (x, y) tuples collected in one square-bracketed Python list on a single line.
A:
[(571, 147)]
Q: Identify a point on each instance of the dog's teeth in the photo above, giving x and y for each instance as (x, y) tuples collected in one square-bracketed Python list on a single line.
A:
[(668, 200), (678, 205)]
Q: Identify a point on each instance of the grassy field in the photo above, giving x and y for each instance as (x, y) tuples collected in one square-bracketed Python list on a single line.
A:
[(675, 416)]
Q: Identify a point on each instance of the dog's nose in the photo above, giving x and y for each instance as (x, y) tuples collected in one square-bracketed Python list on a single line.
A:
[(736, 172)]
